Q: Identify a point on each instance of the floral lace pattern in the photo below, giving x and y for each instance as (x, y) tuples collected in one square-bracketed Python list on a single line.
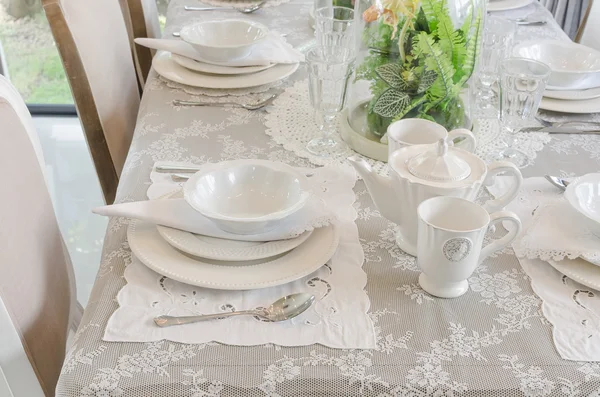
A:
[(496, 340)]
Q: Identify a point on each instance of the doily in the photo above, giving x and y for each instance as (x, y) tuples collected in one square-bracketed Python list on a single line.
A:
[(550, 227), (243, 3), (337, 319), (290, 122), (490, 139)]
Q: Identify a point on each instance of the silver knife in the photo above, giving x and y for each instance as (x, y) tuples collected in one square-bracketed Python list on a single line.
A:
[(562, 130), (177, 168)]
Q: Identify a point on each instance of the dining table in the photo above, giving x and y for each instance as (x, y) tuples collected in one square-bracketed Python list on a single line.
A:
[(493, 341)]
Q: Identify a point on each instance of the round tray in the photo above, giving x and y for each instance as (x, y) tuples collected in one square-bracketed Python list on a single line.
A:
[(362, 141)]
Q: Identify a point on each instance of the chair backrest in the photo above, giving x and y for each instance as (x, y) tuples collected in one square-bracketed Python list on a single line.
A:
[(589, 31), (37, 285), (93, 43), (141, 17)]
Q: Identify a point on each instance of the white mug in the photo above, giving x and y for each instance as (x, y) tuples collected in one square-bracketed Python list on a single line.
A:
[(408, 132), (449, 246)]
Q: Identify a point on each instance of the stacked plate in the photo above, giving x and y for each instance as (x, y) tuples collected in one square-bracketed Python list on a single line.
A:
[(584, 196), (220, 55), (505, 5), (246, 200), (574, 83)]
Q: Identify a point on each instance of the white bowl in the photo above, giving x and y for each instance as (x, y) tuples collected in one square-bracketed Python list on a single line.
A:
[(227, 40), (584, 195), (574, 66), (246, 196)]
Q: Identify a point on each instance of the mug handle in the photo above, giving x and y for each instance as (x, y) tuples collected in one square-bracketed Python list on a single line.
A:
[(508, 238), (493, 170), (469, 144)]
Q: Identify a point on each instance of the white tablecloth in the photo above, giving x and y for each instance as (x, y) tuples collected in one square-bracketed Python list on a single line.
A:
[(493, 341)]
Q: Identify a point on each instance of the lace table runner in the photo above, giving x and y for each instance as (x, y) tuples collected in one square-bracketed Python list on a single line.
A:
[(290, 122), (573, 309), (338, 318)]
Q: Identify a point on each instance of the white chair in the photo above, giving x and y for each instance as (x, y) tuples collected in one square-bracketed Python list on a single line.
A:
[(37, 290), (589, 31), (93, 43)]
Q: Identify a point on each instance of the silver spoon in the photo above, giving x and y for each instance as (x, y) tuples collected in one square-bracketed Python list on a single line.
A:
[(558, 182), (283, 309), (247, 106), (247, 10)]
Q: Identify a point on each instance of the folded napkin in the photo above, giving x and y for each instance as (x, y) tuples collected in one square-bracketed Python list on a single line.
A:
[(178, 214), (273, 49)]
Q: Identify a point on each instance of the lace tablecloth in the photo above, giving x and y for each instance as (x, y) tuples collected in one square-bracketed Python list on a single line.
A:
[(493, 341)]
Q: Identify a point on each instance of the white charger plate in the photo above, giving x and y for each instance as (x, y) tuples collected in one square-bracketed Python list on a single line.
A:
[(579, 270), (571, 106), (216, 69), (149, 247), (227, 250), (171, 70), (573, 95), (504, 5)]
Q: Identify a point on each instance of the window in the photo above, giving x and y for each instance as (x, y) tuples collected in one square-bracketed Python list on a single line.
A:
[(31, 57)]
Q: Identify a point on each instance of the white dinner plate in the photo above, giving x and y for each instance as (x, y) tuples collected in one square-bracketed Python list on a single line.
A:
[(504, 5), (573, 95), (566, 106), (579, 270), (227, 250), (216, 69), (171, 70), (149, 247)]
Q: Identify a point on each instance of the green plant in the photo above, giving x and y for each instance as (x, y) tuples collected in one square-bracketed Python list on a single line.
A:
[(420, 72)]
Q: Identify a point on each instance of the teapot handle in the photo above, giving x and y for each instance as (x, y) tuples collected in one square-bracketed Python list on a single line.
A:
[(469, 143), (497, 245), (493, 170)]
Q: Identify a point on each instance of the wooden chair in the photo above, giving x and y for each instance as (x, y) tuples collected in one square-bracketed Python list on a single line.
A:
[(141, 18), (589, 30), (37, 290), (93, 43)]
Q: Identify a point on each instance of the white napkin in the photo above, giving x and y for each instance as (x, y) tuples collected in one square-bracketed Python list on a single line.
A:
[(274, 49), (552, 229), (178, 214)]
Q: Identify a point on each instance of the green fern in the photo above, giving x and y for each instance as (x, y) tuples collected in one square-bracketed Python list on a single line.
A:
[(471, 51), (437, 61)]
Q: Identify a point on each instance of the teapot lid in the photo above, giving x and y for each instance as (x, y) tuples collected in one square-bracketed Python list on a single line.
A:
[(439, 164)]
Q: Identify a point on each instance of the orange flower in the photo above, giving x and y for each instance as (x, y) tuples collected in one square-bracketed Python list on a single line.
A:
[(389, 17)]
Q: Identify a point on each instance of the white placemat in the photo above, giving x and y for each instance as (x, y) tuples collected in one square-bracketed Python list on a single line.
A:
[(338, 319), (573, 309)]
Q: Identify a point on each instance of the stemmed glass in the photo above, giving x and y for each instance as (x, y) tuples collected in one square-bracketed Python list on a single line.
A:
[(522, 84), (334, 26), (496, 45), (329, 72)]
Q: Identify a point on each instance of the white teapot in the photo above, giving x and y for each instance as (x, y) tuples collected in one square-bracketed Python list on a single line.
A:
[(420, 172)]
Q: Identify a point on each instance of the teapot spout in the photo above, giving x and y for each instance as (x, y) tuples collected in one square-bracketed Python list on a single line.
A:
[(380, 188)]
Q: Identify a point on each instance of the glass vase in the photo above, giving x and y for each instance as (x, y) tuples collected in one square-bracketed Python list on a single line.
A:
[(413, 59)]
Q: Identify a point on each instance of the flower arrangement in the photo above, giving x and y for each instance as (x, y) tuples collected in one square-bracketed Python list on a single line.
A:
[(417, 61)]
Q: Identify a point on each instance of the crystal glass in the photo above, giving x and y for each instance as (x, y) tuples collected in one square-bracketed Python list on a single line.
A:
[(329, 72), (497, 41), (334, 26), (522, 84)]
